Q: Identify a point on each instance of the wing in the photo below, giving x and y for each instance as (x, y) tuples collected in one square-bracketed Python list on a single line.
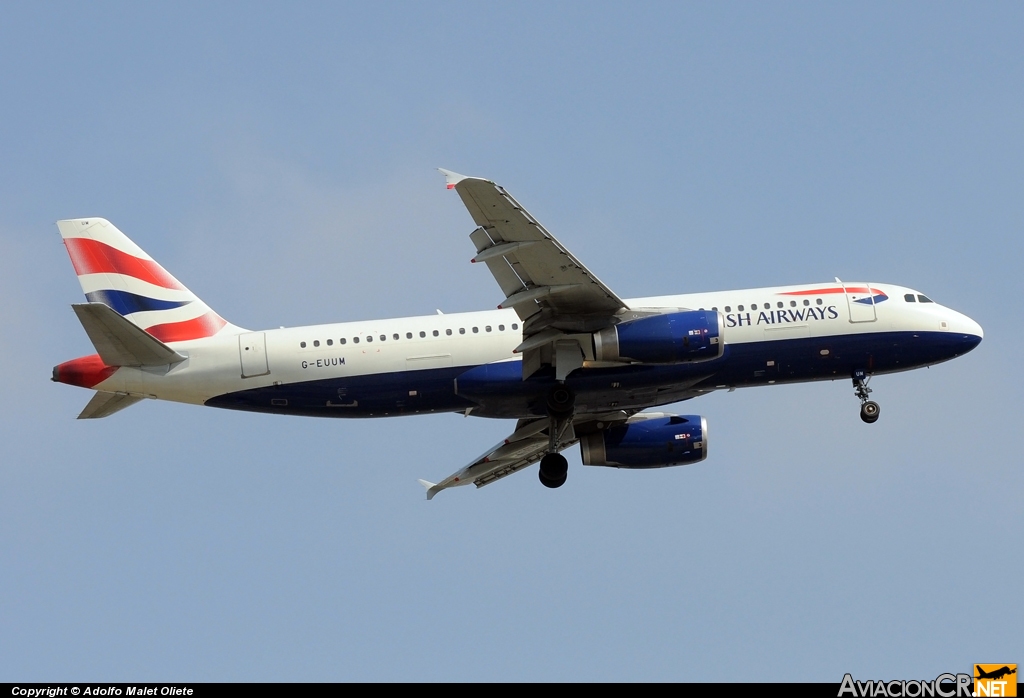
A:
[(523, 447), (552, 291)]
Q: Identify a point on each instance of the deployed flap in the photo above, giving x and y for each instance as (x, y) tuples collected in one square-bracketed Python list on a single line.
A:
[(121, 343), (106, 404)]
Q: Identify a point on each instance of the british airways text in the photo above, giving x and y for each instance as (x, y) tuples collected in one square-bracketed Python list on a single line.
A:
[(776, 317)]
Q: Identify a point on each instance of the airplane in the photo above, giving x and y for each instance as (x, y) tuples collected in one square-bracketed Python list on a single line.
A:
[(995, 674), (562, 354)]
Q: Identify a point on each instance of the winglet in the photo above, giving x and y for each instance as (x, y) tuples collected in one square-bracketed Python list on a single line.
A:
[(431, 488), (451, 178)]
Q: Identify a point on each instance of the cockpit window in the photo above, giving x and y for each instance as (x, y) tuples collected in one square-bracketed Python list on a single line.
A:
[(909, 298), (924, 299)]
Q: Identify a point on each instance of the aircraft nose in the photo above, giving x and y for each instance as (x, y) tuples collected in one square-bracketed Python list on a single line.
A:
[(970, 331), (966, 325), (975, 329)]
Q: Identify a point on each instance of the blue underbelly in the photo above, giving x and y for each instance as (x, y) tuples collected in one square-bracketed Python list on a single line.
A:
[(498, 390)]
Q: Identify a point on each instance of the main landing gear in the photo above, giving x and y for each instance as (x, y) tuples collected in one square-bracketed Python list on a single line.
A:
[(869, 409), (554, 468)]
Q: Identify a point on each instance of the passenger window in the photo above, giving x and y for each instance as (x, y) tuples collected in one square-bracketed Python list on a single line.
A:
[(779, 304), (462, 330), (448, 332), (355, 340), (316, 342), (806, 302), (435, 333), (818, 301), (408, 335), (739, 308), (423, 334), (488, 328), (369, 338), (515, 325), (383, 338), (330, 342), (342, 340), (924, 299), (501, 328), (728, 309), (792, 304), (395, 336), (475, 330), (715, 309), (909, 298), (303, 345), (754, 306)]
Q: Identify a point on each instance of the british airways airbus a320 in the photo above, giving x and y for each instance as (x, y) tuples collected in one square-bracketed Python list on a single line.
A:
[(563, 354)]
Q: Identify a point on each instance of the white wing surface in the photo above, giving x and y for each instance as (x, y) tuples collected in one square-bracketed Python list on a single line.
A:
[(551, 290)]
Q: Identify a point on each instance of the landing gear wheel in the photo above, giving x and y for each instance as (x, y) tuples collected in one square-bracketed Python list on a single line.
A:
[(554, 469), (561, 401), (868, 409), (869, 412)]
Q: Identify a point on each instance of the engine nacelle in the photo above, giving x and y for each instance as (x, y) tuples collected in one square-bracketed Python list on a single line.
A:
[(648, 441), (689, 335)]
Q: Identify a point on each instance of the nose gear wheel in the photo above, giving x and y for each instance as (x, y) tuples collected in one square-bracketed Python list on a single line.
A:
[(869, 409)]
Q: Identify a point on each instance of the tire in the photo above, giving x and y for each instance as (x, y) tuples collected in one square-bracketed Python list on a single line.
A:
[(869, 412), (553, 483), (561, 401), (554, 469)]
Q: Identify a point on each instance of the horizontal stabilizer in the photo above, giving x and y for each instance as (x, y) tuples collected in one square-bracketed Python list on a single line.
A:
[(106, 404), (431, 488), (121, 343)]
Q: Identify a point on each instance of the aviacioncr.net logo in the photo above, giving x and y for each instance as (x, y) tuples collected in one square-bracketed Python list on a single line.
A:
[(995, 680), (943, 686)]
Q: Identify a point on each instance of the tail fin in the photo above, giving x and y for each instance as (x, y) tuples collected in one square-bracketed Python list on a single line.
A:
[(115, 271)]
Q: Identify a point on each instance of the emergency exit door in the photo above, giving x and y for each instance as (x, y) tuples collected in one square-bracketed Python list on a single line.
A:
[(252, 352), (861, 302)]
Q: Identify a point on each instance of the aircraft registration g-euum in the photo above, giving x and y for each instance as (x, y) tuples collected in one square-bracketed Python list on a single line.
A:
[(563, 354)]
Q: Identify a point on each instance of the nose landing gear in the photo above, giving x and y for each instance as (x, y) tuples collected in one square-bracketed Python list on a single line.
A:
[(869, 409), (554, 468)]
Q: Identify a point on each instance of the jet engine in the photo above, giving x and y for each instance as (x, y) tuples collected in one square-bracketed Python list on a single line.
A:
[(689, 335), (653, 440)]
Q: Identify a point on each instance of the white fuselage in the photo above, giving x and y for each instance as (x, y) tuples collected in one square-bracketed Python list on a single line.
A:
[(339, 351)]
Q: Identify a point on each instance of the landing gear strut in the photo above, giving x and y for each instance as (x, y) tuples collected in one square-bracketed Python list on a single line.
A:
[(869, 409), (554, 468)]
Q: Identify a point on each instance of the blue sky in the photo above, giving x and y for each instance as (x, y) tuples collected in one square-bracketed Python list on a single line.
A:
[(279, 161)]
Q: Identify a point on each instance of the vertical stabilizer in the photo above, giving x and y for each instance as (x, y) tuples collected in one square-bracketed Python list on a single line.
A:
[(115, 271)]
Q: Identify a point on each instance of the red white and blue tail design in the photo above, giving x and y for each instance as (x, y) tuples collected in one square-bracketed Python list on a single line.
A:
[(115, 271)]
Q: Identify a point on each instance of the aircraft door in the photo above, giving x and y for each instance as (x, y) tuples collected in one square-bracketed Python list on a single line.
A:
[(252, 352), (861, 302)]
